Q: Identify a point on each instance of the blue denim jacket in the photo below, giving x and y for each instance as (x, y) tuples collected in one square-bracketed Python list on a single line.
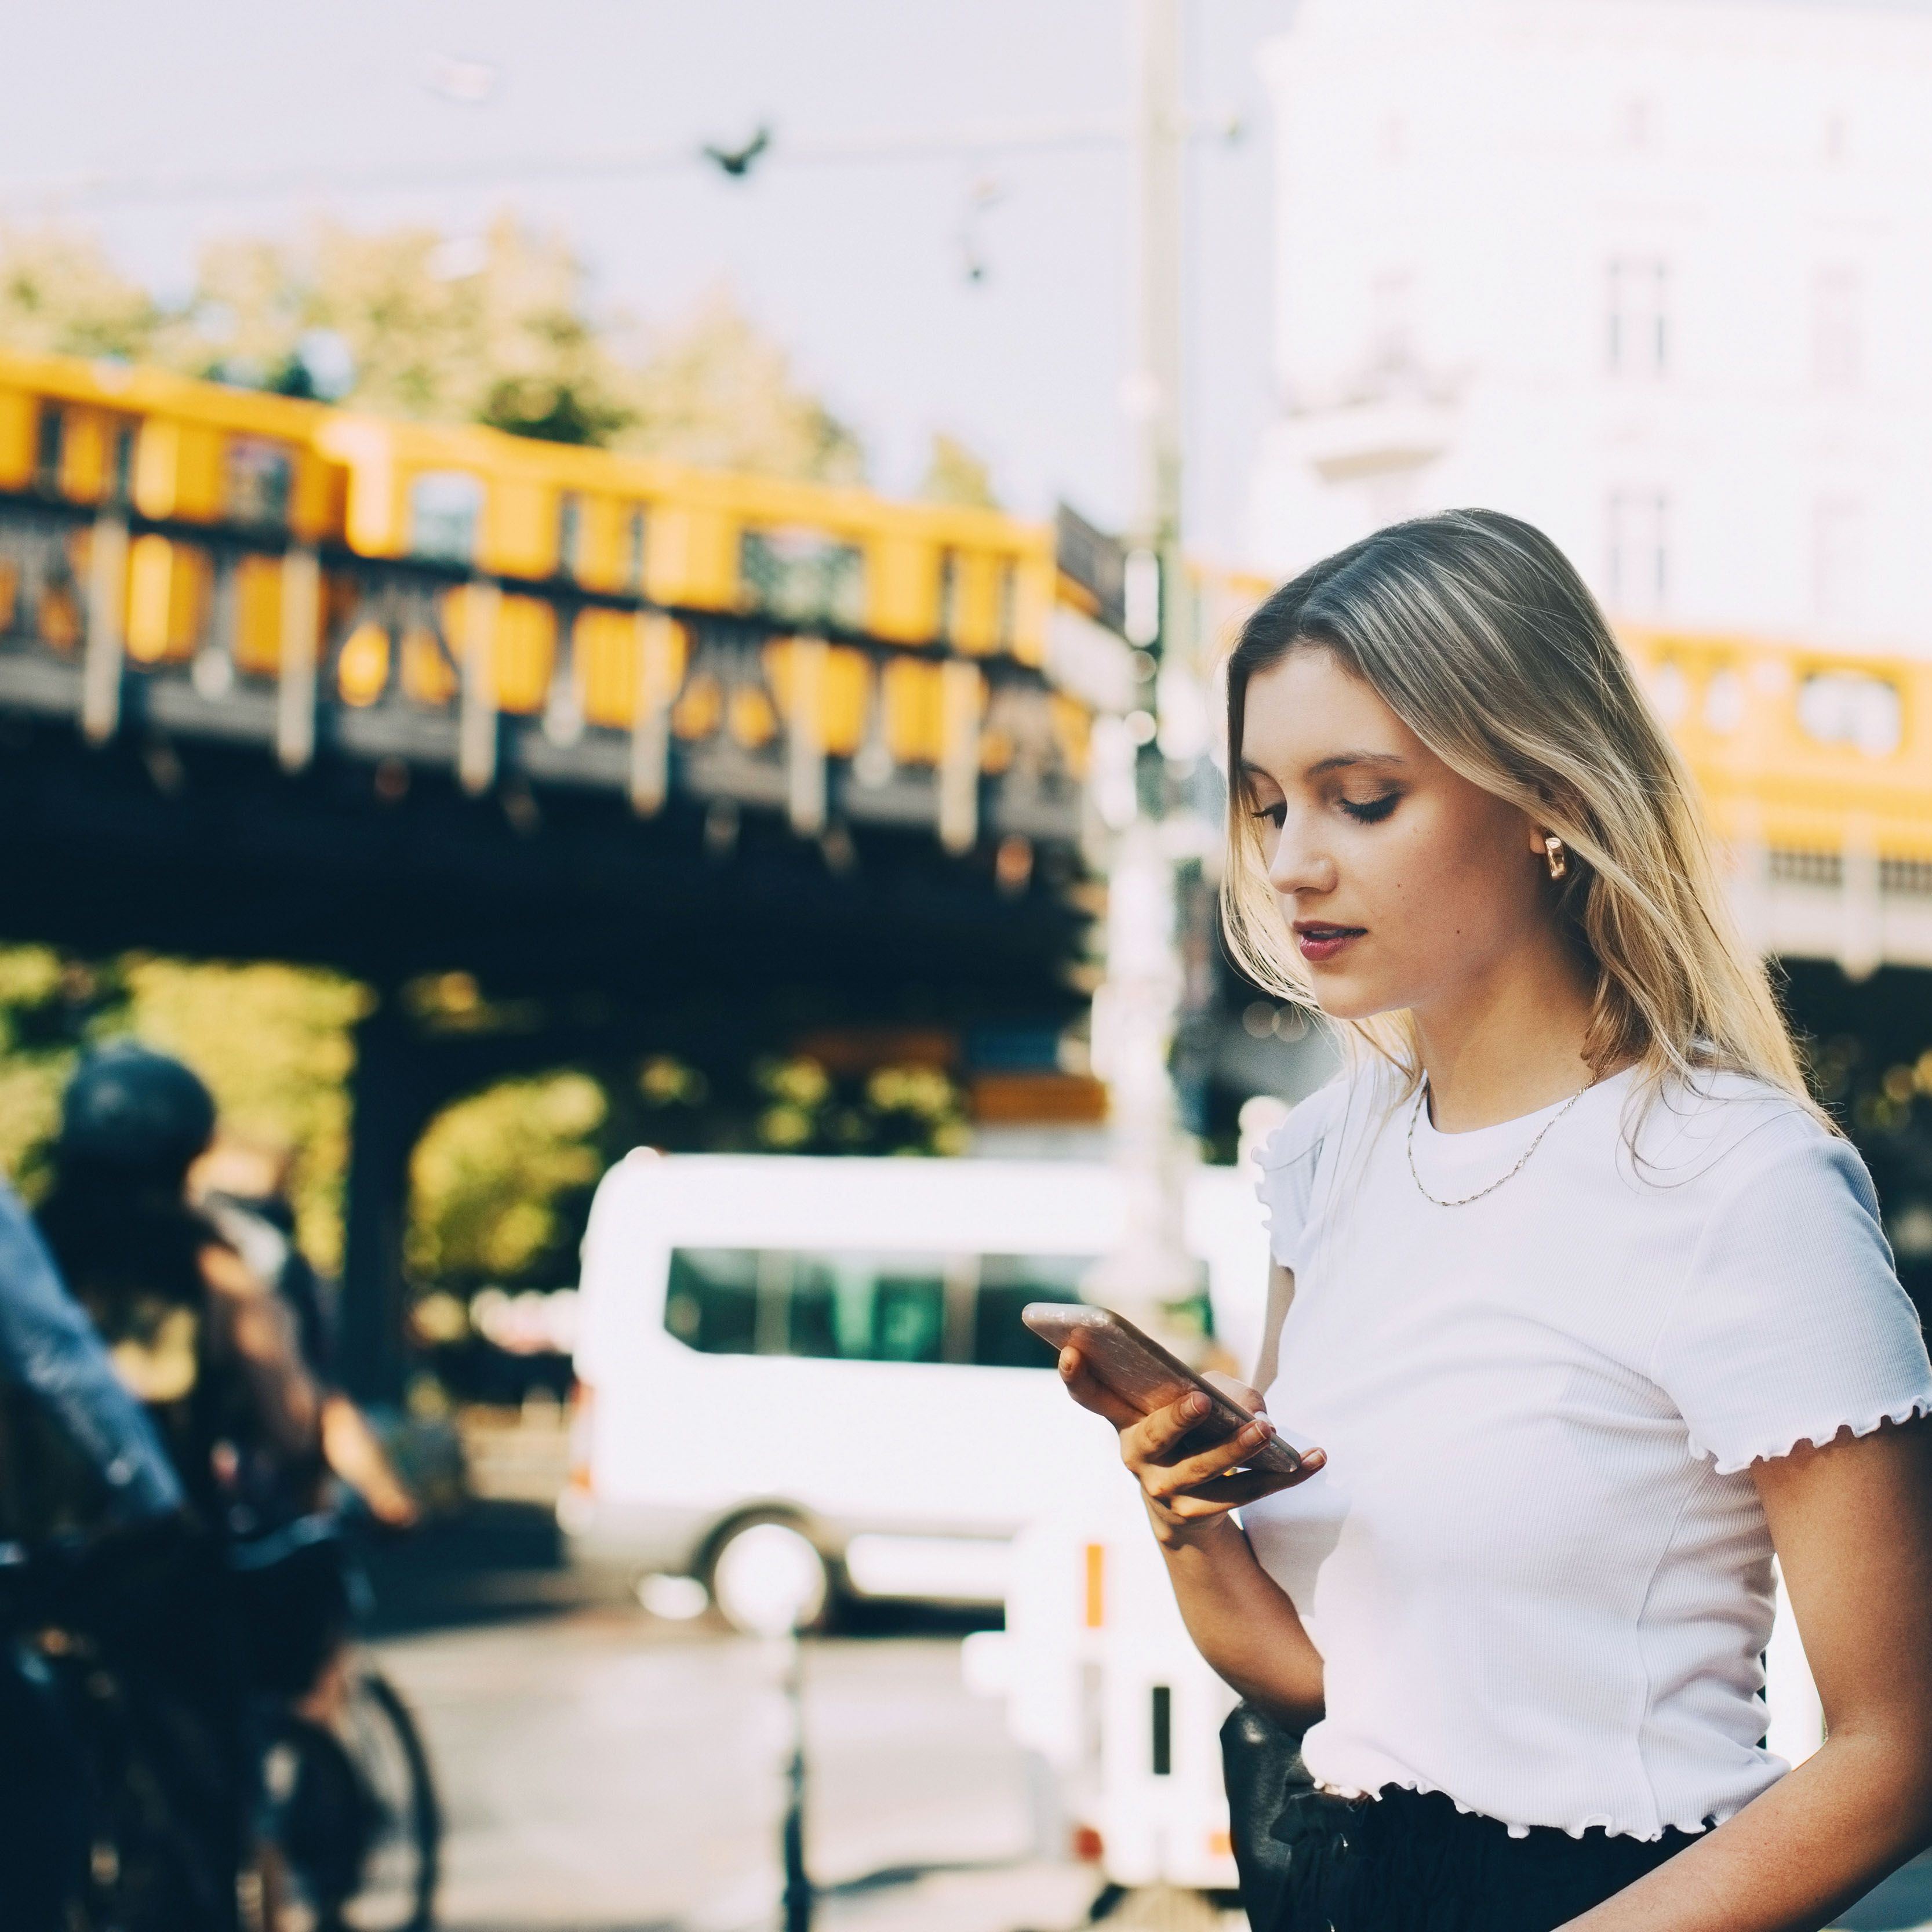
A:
[(48, 1345)]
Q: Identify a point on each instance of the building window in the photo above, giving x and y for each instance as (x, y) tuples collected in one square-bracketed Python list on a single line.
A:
[(1637, 317), (1836, 346), (1637, 564), (1838, 562)]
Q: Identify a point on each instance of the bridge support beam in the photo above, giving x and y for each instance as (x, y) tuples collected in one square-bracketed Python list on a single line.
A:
[(393, 1092), (296, 690), (106, 648)]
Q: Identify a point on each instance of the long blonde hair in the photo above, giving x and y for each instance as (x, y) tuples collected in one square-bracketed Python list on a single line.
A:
[(1474, 630)]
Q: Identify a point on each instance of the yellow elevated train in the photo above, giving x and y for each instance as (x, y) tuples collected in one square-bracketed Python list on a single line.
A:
[(354, 574), (530, 581)]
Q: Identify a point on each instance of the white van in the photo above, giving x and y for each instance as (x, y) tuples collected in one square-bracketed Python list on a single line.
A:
[(832, 1348)]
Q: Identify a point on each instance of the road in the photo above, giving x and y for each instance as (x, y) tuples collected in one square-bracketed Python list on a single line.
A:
[(602, 1770)]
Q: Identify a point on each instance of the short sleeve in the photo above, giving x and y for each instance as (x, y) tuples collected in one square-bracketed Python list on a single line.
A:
[(1791, 1323), (1289, 1159)]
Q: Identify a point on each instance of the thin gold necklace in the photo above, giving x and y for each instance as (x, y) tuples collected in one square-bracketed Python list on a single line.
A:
[(1463, 1201)]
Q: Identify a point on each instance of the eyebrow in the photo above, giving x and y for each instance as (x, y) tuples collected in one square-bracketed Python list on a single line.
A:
[(1338, 761)]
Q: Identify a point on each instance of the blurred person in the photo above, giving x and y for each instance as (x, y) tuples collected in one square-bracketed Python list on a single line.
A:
[(244, 1189), (65, 1413), (210, 1350), (1586, 1301)]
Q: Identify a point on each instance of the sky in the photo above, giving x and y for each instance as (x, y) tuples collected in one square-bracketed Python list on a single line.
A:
[(858, 268)]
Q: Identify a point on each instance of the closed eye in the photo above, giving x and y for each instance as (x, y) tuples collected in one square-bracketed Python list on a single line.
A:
[(1371, 810), (1271, 814)]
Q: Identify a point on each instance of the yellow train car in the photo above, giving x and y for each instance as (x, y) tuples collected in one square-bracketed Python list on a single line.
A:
[(246, 534), (805, 555), (109, 438)]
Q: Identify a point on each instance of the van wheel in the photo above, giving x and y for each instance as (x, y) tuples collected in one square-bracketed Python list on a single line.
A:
[(767, 1576)]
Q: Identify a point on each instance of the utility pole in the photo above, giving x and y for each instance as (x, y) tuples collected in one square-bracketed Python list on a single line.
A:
[(1135, 1009)]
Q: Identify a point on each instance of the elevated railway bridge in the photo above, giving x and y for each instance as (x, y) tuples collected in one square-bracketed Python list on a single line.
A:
[(623, 740)]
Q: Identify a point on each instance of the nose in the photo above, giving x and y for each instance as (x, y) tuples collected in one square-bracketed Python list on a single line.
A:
[(1298, 863)]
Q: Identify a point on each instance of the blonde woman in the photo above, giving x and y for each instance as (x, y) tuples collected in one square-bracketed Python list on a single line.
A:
[(1586, 1302)]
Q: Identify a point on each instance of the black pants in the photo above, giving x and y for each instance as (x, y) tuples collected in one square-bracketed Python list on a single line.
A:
[(1406, 1861)]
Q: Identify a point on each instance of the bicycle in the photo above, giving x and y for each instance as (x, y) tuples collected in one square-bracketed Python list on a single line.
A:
[(350, 1804), (139, 1780)]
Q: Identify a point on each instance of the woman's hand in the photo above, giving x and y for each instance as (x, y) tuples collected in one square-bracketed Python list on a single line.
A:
[(1185, 1488)]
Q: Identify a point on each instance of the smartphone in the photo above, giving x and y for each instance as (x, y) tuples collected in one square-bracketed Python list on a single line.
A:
[(1138, 1369)]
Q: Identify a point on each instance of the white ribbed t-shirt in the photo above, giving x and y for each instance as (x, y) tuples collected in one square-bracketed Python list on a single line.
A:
[(1535, 1565)]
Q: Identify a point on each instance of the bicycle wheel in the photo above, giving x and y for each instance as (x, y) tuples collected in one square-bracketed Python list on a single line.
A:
[(400, 1874), (356, 1815)]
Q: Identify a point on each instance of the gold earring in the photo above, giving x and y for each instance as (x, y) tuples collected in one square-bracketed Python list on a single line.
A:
[(1559, 859)]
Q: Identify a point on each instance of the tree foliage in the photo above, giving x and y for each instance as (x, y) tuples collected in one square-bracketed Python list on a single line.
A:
[(497, 328), (954, 474), (501, 1183)]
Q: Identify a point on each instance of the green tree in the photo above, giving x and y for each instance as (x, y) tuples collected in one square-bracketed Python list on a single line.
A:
[(497, 328), (716, 392), (51, 1004), (276, 1046), (954, 474), (60, 295), (501, 1182)]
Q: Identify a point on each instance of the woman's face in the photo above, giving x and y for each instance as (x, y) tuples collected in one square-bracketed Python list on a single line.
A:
[(1403, 884)]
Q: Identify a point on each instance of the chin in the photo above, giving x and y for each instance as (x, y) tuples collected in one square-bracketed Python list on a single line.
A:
[(1341, 1000)]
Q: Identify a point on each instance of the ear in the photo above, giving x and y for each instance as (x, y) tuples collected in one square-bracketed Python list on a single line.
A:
[(1538, 834)]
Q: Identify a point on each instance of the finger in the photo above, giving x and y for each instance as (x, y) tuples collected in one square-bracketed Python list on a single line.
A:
[(1157, 1435), (1190, 1471), (1235, 1390), (1091, 1392), (1248, 1486)]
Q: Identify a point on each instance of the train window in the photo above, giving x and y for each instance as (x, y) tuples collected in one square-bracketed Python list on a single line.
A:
[(633, 551), (1007, 1282), (864, 1306), (50, 441), (949, 596), (446, 508), (261, 480), (801, 578), (1009, 585), (122, 481), (569, 533)]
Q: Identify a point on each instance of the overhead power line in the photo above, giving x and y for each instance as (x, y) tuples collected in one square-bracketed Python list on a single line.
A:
[(765, 149)]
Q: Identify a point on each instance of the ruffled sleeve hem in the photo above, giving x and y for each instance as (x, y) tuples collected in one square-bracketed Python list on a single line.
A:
[(1815, 1435), (1287, 1160)]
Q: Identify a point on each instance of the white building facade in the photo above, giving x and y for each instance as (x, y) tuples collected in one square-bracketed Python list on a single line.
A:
[(1655, 275)]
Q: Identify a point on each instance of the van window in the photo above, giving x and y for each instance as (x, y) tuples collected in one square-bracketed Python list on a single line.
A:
[(1007, 1282), (868, 1306)]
